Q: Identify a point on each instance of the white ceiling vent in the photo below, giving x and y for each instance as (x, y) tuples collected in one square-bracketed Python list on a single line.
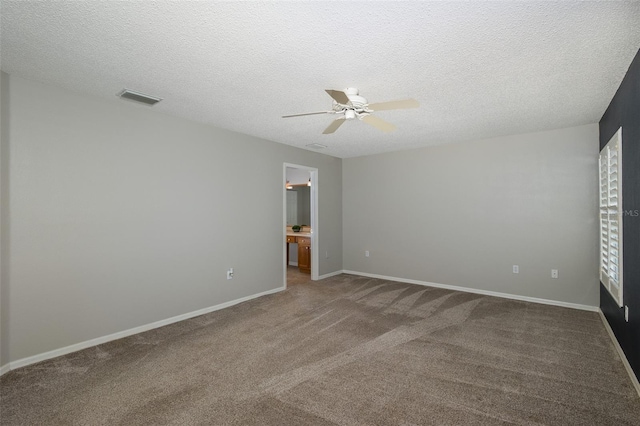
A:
[(316, 146), (138, 97)]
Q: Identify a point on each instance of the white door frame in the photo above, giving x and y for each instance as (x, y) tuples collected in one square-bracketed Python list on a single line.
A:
[(315, 257)]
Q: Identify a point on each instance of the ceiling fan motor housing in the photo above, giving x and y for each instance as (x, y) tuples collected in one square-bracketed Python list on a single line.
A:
[(357, 101)]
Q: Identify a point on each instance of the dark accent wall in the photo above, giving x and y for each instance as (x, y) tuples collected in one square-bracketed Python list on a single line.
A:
[(624, 110)]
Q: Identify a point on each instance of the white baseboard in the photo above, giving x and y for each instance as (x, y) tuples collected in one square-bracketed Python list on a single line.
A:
[(483, 292), (623, 356), (4, 369), (330, 274), (292, 263), (126, 333)]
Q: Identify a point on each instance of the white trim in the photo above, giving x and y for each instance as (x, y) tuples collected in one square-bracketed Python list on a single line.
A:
[(331, 274), (315, 258), (315, 251), (292, 263), (4, 369), (621, 353), (126, 333), (284, 226), (483, 292)]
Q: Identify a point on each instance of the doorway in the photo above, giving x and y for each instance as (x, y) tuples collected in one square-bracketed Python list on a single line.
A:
[(304, 178)]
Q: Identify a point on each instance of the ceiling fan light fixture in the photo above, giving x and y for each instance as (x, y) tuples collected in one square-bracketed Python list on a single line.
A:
[(349, 114)]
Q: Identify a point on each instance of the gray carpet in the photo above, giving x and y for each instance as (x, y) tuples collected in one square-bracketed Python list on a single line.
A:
[(347, 350), (295, 277)]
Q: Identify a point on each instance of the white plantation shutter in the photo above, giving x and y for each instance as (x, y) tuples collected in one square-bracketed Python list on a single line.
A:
[(611, 216)]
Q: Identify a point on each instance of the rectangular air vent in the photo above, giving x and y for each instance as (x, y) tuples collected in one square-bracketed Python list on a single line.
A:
[(316, 146), (138, 97)]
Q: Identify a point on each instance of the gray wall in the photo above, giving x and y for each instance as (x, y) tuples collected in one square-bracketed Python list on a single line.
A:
[(4, 219), (121, 216), (463, 214)]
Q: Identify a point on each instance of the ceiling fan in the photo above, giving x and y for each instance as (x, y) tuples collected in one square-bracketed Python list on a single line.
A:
[(348, 104)]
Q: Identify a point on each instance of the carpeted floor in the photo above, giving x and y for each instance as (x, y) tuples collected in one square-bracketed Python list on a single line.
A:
[(295, 277), (347, 350)]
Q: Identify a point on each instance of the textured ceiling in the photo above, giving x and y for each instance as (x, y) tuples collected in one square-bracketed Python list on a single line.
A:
[(478, 69)]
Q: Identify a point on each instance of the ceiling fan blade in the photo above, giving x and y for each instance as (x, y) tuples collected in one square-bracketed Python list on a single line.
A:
[(378, 123), (403, 104), (307, 113), (334, 126), (340, 97)]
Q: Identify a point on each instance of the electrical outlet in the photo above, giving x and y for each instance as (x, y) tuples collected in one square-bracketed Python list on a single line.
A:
[(516, 269), (366, 253), (626, 313), (554, 273), (230, 274)]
